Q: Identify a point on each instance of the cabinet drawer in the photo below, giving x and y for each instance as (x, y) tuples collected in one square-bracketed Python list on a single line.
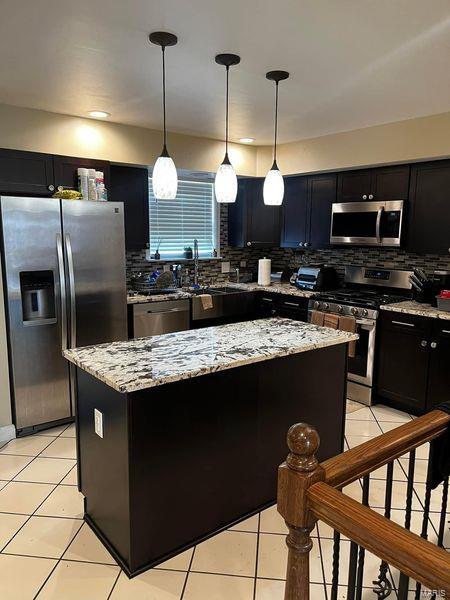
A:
[(405, 322)]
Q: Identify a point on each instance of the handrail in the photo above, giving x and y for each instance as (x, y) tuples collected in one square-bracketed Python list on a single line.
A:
[(377, 452), (409, 553), (306, 492)]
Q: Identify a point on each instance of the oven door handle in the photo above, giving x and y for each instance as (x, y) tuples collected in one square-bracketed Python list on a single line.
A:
[(367, 322), (378, 224)]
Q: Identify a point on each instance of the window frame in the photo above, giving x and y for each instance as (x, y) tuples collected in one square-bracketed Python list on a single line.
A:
[(216, 218)]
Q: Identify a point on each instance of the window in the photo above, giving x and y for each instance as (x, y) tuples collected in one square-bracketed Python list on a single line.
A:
[(174, 224)]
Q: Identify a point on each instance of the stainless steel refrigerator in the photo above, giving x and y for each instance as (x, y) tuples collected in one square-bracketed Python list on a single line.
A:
[(65, 286)]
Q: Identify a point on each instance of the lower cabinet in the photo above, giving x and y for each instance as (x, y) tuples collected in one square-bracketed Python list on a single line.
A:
[(413, 355), (281, 305)]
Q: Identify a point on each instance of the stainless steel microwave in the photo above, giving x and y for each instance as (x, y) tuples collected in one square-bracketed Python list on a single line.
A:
[(367, 223)]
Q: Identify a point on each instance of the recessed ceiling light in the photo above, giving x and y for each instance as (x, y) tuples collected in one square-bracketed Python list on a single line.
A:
[(99, 114), (246, 140)]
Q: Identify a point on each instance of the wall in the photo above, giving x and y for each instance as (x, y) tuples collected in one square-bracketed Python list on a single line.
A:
[(40, 131), (403, 141)]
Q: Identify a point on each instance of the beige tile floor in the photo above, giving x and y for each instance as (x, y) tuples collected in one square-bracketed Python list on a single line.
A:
[(48, 552)]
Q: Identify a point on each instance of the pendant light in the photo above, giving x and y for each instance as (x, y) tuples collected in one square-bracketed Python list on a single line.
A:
[(273, 190), (164, 176), (225, 183)]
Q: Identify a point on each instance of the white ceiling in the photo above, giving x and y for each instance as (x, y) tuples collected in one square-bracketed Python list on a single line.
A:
[(353, 63)]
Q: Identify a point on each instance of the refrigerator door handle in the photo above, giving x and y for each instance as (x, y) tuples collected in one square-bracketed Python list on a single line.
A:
[(62, 286), (73, 314)]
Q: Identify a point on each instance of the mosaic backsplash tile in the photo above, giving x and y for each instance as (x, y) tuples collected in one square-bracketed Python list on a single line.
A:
[(210, 270)]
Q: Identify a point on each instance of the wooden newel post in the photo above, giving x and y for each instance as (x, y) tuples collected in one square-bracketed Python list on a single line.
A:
[(295, 476)]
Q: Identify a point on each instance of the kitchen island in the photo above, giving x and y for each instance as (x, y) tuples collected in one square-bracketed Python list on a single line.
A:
[(191, 428)]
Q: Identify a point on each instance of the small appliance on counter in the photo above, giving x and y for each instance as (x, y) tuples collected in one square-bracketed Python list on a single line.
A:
[(443, 300), (427, 288), (316, 278)]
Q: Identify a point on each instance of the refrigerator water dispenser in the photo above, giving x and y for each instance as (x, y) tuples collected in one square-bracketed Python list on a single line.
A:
[(37, 290)]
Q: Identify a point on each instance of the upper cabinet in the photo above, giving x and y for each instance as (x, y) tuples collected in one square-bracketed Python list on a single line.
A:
[(66, 170), (35, 174), (130, 186), (384, 183), (429, 208), (250, 222), (26, 173), (306, 213)]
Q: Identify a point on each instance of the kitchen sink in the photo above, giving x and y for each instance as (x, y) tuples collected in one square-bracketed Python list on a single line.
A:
[(227, 304)]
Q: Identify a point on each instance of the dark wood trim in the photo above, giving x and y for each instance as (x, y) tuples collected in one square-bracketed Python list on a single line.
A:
[(365, 458)]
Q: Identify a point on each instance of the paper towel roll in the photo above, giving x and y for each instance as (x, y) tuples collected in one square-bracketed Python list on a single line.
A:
[(264, 269)]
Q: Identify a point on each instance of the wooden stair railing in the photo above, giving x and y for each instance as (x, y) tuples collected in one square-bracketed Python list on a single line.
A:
[(309, 491)]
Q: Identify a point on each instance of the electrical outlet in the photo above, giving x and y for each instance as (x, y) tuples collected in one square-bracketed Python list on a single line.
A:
[(226, 266), (243, 263), (166, 267), (98, 422)]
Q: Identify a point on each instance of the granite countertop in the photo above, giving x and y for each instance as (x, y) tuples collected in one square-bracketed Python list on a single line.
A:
[(411, 307), (143, 298), (148, 362), (274, 288)]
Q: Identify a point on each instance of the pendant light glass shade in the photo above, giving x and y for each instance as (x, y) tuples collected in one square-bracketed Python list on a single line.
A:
[(165, 179), (164, 176), (273, 190), (225, 183)]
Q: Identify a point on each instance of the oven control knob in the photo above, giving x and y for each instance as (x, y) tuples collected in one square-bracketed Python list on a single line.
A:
[(340, 308), (365, 312), (326, 305), (316, 304), (355, 311)]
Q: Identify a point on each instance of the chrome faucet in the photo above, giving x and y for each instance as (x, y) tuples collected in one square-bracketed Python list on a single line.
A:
[(237, 275), (195, 263)]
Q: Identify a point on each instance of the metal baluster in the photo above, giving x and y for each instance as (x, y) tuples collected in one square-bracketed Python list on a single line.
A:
[(443, 519), (382, 585), (352, 571), (404, 579), (362, 550), (336, 552), (425, 521)]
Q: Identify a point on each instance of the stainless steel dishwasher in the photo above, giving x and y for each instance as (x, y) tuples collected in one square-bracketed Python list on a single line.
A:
[(155, 318)]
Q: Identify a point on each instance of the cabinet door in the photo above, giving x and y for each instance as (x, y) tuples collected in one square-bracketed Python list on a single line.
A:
[(263, 222), (130, 186), (390, 183), (354, 186), (439, 374), (66, 170), (429, 208), (237, 215), (294, 230), (322, 194), (26, 173), (403, 353)]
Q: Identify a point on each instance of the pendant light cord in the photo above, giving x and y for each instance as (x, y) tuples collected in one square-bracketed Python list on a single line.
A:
[(276, 124), (164, 93), (226, 113)]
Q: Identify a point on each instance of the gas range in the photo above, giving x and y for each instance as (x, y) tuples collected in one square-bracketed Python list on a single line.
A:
[(354, 302), (366, 289)]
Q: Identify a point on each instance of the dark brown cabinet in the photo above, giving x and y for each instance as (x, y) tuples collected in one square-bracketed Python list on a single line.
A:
[(412, 361), (439, 371), (250, 222), (130, 186), (384, 183), (429, 208), (306, 211), (66, 170), (26, 173)]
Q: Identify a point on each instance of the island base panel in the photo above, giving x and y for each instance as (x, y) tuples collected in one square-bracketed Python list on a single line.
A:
[(182, 461)]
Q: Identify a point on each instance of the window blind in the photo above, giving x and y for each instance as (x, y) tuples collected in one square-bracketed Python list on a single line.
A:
[(174, 224)]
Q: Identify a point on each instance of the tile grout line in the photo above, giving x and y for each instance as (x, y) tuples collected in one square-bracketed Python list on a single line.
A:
[(187, 574), (257, 557)]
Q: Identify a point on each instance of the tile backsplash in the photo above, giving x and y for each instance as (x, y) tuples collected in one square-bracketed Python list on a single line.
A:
[(210, 271)]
